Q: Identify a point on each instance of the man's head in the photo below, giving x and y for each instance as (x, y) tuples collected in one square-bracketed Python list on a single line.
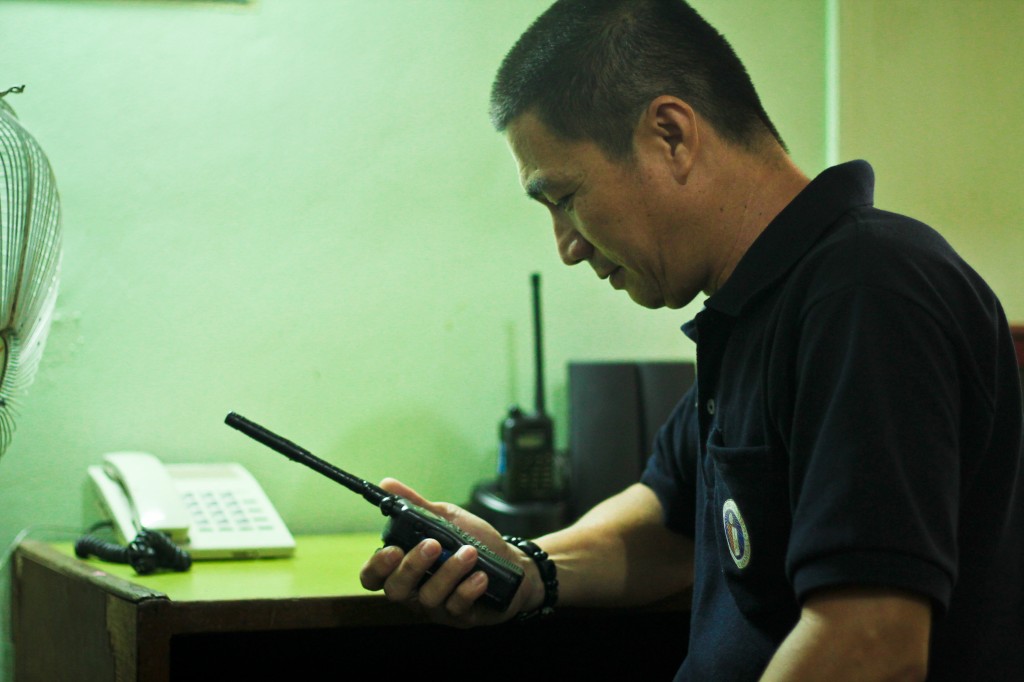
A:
[(637, 127), (589, 68)]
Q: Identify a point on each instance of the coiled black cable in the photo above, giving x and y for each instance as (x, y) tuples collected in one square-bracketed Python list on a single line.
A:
[(149, 551)]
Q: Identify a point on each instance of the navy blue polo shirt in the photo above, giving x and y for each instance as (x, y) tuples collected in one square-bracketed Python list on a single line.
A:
[(856, 420)]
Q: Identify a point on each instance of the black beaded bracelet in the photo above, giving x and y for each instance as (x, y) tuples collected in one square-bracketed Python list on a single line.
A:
[(547, 574)]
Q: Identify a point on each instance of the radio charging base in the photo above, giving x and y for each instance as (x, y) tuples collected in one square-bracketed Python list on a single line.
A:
[(526, 519)]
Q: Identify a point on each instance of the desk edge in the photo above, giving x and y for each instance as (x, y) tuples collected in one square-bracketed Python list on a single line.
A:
[(44, 554)]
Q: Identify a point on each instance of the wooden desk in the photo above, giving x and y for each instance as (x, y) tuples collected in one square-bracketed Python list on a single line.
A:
[(300, 618)]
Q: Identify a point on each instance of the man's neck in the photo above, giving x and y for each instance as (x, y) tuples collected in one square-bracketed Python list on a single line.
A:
[(754, 189)]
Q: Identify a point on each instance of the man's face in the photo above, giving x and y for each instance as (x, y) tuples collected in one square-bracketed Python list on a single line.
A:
[(613, 215)]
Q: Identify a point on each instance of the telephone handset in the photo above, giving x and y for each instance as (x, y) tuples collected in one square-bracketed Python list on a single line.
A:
[(141, 494), (215, 511)]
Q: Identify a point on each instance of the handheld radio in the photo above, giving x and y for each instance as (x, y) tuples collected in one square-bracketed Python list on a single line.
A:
[(408, 524), (526, 464)]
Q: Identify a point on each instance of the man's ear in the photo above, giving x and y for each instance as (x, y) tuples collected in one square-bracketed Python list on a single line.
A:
[(669, 128)]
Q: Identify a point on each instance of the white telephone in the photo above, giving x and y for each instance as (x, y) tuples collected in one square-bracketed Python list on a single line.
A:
[(215, 511)]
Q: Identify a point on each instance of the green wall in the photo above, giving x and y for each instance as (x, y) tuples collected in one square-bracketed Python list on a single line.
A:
[(931, 94), (297, 210)]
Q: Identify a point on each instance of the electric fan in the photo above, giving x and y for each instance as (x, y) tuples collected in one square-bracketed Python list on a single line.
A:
[(30, 244)]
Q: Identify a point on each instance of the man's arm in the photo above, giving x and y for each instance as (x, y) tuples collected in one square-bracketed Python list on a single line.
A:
[(618, 554), (861, 634)]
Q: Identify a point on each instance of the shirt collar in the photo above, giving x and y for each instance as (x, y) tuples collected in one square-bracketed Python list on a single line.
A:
[(794, 231)]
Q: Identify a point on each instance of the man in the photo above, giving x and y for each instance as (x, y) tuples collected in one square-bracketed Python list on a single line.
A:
[(842, 486)]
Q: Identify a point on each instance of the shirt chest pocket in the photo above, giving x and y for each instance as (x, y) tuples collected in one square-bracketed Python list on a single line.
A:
[(750, 500)]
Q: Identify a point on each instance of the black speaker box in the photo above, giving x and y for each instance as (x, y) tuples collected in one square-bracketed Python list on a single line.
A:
[(615, 410)]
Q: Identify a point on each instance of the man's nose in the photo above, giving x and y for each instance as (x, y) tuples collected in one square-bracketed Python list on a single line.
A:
[(572, 247)]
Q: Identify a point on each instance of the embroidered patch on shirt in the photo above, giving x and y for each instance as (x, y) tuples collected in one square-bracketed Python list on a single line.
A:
[(736, 534)]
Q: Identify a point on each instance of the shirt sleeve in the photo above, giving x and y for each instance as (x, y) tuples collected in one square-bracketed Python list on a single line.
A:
[(872, 433), (671, 468)]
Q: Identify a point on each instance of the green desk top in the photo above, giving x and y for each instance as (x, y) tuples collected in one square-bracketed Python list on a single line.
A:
[(323, 566)]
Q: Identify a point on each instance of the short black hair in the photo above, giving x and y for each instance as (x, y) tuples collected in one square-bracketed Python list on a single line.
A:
[(589, 68)]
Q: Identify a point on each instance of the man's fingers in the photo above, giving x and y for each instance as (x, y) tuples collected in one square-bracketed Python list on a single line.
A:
[(451, 593), (443, 509), (396, 487), (376, 571), (405, 579), (435, 591), (462, 601)]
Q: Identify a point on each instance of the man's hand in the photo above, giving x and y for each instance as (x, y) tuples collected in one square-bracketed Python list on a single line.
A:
[(618, 554), (449, 596)]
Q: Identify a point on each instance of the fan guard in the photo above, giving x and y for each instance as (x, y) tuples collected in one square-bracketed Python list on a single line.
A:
[(30, 254)]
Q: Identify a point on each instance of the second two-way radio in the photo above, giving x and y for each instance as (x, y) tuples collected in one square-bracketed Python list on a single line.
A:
[(526, 461), (408, 524)]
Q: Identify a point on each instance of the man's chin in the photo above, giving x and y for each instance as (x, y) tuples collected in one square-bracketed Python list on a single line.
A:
[(646, 298), (655, 299)]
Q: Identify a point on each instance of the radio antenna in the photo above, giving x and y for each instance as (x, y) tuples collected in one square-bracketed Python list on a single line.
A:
[(369, 491), (537, 342)]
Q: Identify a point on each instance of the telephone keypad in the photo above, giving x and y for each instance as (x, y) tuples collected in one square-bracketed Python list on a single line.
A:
[(223, 511)]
